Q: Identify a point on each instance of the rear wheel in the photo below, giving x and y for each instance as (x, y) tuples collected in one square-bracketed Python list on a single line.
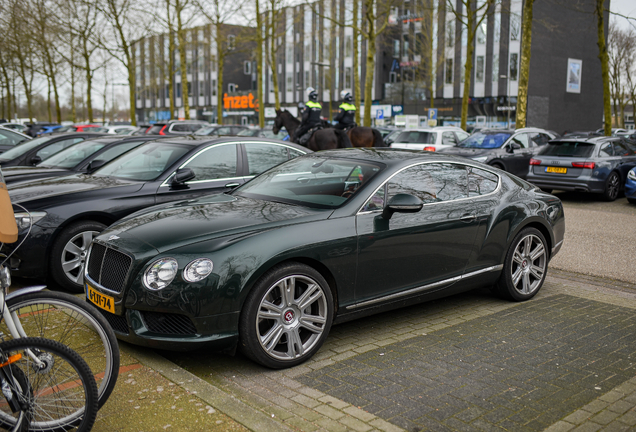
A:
[(612, 186), (525, 266), (286, 317), (498, 165), (69, 253)]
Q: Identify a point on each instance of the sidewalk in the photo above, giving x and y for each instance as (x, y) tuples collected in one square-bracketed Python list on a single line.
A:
[(560, 362)]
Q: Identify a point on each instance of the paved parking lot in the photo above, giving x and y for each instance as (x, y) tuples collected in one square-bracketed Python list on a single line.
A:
[(562, 361)]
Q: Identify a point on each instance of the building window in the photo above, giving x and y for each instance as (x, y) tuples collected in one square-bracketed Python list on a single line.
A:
[(481, 34), (201, 89), (289, 56), (348, 52), (515, 27), (392, 77), (231, 42), (307, 78), (450, 34), (190, 89), (178, 90), (396, 47), (449, 71), (497, 27), (495, 67), (514, 65), (213, 87), (231, 88), (290, 82), (247, 67), (347, 78), (479, 69), (406, 45)]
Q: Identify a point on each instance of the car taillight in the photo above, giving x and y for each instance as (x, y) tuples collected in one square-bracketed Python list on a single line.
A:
[(429, 148), (589, 165), (163, 129), (535, 162)]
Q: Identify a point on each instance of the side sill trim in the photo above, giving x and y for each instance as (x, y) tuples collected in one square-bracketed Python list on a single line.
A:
[(424, 287)]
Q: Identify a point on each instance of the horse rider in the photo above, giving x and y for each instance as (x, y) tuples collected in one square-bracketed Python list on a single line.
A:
[(346, 115), (310, 115)]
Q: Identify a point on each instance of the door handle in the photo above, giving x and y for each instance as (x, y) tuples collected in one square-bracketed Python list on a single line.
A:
[(468, 218), (232, 185)]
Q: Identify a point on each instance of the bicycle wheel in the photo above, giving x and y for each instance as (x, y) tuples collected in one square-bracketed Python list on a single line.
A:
[(67, 319), (17, 391), (64, 392)]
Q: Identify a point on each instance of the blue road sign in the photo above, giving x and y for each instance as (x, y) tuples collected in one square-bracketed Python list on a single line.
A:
[(379, 114), (432, 113)]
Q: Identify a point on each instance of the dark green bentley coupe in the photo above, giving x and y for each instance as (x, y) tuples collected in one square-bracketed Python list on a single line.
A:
[(317, 240)]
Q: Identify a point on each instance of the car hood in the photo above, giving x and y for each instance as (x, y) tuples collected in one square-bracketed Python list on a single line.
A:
[(177, 224), (21, 173), (467, 151), (65, 185)]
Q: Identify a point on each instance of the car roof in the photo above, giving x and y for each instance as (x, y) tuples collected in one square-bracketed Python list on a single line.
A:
[(199, 140), (390, 156), (589, 139)]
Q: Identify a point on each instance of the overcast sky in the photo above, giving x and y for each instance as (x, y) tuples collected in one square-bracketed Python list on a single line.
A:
[(624, 7)]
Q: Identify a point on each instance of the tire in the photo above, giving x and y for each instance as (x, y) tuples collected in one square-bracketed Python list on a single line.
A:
[(612, 186), (278, 333), (525, 266), (21, 392), (64, 390), (498, 166), (75, 323), (69, 253)]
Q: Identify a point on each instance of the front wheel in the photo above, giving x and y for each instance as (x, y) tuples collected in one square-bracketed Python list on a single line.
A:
[(287, 316), (69, 253), (612, 187), (525, 266), (62, 393)]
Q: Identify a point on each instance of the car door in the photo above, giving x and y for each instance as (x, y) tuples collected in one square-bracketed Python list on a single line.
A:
[(217, 169), (518, 160), (414, 250), (626, 158)]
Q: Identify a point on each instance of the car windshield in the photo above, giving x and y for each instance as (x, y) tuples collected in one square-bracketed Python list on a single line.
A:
[(205, 131), (73, 155), (416, 137), (568, 148), (21, 149), (485, 140), (312, 181), (144, 163)]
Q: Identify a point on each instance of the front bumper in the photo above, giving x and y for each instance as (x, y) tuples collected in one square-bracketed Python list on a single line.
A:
[(30, 259), (630, 189)]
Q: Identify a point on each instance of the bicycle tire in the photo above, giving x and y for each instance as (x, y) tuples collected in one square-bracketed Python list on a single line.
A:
[(101, 352), (19, 386), (64, 392)]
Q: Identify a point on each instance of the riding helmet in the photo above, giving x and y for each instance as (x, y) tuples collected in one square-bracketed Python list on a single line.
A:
[(312, 95), (346, 96)]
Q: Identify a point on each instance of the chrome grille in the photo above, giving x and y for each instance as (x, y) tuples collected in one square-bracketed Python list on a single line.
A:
[(108, 267)]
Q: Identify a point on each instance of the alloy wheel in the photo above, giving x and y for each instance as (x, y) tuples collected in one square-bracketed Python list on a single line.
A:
[(291, 318), (529, 264), (612, 187), (74, 255)]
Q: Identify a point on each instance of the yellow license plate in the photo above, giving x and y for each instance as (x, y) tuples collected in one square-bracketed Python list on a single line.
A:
[(557, 170), (100, 300)]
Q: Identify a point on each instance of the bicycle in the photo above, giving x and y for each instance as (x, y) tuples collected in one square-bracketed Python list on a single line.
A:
[(64, 318), (47, 387)]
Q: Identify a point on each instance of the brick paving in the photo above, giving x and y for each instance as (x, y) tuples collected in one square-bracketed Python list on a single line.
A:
[(560, 362)]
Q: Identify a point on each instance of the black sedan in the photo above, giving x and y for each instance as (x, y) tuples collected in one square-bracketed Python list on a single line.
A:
[(598, 165), (323, 238), (83, 157), (36, 150), (504, 149), (68, 211), (10, 138)]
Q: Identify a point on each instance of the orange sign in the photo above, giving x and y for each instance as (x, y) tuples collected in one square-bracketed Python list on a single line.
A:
[(240, 102)]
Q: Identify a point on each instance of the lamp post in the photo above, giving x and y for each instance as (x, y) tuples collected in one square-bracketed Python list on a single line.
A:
[(507, 78)]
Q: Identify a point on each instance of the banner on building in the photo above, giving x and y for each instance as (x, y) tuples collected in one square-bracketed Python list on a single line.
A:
[(574, 76)]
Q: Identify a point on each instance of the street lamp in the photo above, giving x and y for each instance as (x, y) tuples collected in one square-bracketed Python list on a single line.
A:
[(507, 96)]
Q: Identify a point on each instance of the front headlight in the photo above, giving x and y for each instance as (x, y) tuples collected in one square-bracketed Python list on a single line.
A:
[(197, 270), (24, 219), (631, 175), (480, 159), (160, 273)]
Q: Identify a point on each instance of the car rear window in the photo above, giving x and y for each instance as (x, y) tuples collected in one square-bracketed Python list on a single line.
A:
[(416, 137), (568, 148)]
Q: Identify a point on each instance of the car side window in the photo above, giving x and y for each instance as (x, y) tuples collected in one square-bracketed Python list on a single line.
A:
[(481, 182), (376, 202), (261, 157), (431, 182), (115, 151), (50, 150), (539, 139), (461, 135), (181, 128), (193, 127), (448, 138), (226, 130), (522, 140), (620, 149), (216, 162), (606, 150), (8, 138)]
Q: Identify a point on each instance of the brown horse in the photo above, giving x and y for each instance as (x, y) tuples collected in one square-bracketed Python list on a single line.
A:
[(362, 136), (323, 139)]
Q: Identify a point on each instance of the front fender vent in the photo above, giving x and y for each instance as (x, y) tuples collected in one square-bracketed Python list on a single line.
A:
[(172, 324)]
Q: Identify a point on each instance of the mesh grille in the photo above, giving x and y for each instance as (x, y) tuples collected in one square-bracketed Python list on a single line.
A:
[(117, 322), (95, 262), (108, 267), (168, 323)]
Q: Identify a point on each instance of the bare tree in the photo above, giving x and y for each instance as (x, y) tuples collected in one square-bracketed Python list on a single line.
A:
[(471, 15), (621, 44), (599, 11), (524, 69), (274, 32)]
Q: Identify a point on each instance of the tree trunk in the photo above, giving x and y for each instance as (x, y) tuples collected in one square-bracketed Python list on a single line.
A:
[(468, 68), (170, 73), (220, 55), (356, 61), (73, 107), (259, 66), (272, 57), (185, 94), (48, 99), (370, 66), (604, 58), (524, 70), (7, 84)]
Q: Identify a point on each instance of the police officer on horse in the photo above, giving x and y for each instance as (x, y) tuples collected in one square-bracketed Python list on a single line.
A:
[(310, 116), (346, 115)]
